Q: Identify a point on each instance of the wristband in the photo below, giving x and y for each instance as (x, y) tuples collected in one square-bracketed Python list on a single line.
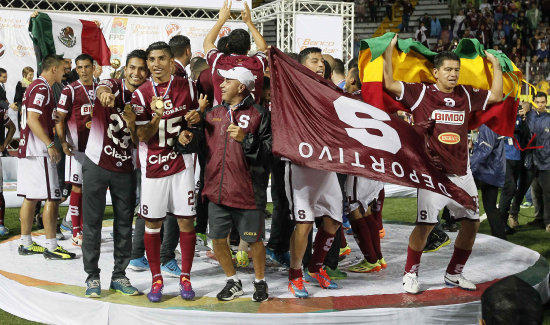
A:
[(50, 145)]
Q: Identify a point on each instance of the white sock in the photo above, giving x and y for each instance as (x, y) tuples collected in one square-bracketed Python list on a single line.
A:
[(51, 244), (26, 240), (234, 278), (260, 280)]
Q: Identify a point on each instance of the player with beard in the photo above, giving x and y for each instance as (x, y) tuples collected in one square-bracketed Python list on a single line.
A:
[(75, 113), (312, 194), (36, 173), (165, 107), (109, 165), (440, 106)]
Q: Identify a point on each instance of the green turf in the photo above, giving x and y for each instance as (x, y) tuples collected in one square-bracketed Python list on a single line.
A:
[(402, 210)]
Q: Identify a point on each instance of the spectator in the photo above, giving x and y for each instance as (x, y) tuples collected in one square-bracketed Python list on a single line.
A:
[(498, 34), (360, 10), (28, 76), (485, 5), (372, 10), (427, 23), (543, 51), (389, 9), (407, 12), (534, 16), (445, 36), (483, 36), (420, 35), (542, 85), (458, 25), (435, 29)]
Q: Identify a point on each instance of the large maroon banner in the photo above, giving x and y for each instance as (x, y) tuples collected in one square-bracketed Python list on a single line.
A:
[(317, 125)]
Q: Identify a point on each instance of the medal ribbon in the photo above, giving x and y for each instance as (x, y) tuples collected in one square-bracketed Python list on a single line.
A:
[(123, 91), (86, 91), (167, 89)]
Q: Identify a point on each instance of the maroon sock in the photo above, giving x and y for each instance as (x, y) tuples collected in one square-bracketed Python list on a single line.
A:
[(460, 256), (343, 241), (187, 245), (2, 208), (321, 246), (374, 235), (362, 236), (413, 260), (377, 211), (75, 212), (152, 248), (294, 273)]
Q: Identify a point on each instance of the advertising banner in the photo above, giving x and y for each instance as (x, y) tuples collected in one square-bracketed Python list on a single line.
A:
[(324, 32)]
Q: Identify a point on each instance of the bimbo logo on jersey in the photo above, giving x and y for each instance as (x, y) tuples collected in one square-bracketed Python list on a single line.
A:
[(448, 117), (86, 109)]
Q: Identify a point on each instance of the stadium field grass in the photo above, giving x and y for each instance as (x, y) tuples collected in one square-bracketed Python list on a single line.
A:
[(400, 210)]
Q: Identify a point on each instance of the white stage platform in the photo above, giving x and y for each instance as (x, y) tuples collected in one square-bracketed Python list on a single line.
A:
[(53, 291)]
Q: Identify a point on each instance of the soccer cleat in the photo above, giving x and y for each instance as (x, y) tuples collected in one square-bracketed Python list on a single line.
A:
[(33, 248), (155, 295), (260, 291), (281, 258), (297, 288), (171, 269), (77, 240), (231, 290), (382, 233), (186, 290), (382, 263), (450, 226), (139, 264), (242, 259), (93, 288), (410, 283), (457, 280), (365, 267), (59, 253), (513, 221), (345, 251), (66, 225), (123, 285), (437, 239), (4, 231), (335, 274), (322, 279)]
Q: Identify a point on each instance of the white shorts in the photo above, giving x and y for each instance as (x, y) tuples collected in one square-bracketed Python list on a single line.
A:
[(171, 195), (430, 203), (312, 193), (73, 168), (37, 179), (362, 191)]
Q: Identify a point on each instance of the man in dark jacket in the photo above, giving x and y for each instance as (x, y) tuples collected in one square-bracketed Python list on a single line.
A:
[(238, 138), (489, 168)]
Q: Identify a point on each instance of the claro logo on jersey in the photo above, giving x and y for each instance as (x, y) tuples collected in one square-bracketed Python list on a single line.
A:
[(110, 151), (449, 138), (448, 117)]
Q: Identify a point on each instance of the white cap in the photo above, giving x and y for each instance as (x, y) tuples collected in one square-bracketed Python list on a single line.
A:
[(239, 73)]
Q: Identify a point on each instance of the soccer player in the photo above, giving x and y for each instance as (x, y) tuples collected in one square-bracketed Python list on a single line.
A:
[(36, 173), (166, 106), (238, 46), (443, 104), (109, 164), (312, 194), (75, 112), (238, 137), (181, 48), (361, 193)]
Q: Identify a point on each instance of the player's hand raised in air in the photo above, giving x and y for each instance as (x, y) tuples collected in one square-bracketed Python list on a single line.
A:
[(225, 11), (203, 102), (236, 133), (193, 117), (185, 137), (245, 14), (107, 99)]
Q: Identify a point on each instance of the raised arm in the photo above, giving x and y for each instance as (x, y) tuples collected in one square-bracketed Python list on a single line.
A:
[(261, 45), (496, 87), (390, 84), (225, 13)]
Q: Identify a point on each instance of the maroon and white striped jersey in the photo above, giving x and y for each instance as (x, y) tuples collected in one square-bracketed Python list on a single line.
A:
[(219, 61), (450, 112), (76, 101), (157, 156), (180, 69), (39, 99), (110, 143)]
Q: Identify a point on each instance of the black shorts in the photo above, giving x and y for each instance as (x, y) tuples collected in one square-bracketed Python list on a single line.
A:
[(249, 223)]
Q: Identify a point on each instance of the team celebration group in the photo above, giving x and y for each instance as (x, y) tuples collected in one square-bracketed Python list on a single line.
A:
[(191, 139)]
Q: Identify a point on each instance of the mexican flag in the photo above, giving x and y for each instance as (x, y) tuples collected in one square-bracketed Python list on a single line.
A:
[(413, 62), (70, 37)]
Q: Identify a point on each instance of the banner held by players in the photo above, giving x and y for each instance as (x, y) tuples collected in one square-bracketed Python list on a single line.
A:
[(316, 125)]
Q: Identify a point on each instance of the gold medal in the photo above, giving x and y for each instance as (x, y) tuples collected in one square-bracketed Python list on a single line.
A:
[(159, 104), (127, 107)]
